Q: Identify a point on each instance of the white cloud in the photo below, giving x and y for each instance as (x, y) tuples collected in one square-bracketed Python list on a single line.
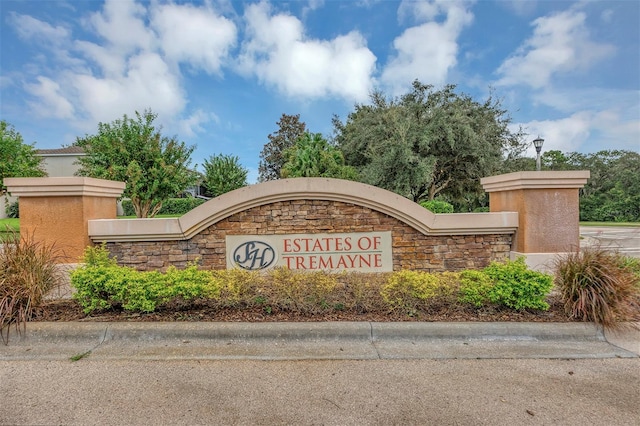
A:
[(147, 83), (132, 65), (607, 16), (29, 28), (428, 51), (5, 81), (419, 11), (311, 6), (586, 131), (193, 124), (193, 35), (566, 134), (122, 24), (519, 7), (51, 102), (616, 129), (560, 43), (279, 54), (568, 100)]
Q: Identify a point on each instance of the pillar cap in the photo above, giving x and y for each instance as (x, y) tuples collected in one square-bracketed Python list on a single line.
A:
[(536, 180), (64, 187)]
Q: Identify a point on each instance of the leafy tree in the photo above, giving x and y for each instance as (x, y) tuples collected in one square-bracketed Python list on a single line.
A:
[(555, 160), (223, 173), (312, 156), (427, 143), (17, 159), (272, 158), (613, 191), (154, 167)]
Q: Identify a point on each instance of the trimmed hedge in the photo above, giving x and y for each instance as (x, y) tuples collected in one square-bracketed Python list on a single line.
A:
[(437, 206), (173, 206)]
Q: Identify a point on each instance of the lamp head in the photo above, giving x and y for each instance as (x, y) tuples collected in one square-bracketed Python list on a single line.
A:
[(538, 144)]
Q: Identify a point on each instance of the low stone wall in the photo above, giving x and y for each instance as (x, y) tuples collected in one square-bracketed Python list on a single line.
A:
[(411, 248)]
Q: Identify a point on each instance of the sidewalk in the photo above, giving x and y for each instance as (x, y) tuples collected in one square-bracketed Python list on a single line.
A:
[(322, 340)]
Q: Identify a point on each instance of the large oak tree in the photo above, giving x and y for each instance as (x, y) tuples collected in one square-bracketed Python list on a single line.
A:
[(427, 143)]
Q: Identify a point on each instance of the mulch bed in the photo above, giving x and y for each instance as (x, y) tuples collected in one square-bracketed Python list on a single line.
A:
[(69, 310)]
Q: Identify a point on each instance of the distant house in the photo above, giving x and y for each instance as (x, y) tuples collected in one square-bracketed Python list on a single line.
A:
[(60, 162)]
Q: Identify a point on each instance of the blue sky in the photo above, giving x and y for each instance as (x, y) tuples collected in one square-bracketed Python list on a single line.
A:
[(221, 73)]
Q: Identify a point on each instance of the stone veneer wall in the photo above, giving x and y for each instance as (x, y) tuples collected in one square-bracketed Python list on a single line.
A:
[(411, 249)]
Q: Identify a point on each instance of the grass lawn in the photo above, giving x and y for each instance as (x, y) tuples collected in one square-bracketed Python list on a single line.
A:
[(12, 224), (621, 224), (7, 226)]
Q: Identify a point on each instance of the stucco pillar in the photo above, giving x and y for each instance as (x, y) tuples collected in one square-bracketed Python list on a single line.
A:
[(547, 205), (57, 210)]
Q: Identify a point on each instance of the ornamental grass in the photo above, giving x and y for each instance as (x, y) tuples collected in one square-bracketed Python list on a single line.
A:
[(28, 272), (600, 286)]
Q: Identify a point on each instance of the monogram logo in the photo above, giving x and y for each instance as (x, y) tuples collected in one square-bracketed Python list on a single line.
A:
[(254, 255)]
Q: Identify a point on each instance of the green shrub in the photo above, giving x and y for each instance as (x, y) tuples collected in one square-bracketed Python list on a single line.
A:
[(600, 286), (192, 283), (633, 265), (517, 287), (407, 290), (101, 284), (239, 287), (475, 287), (13, 210), (304, 292), (28, 271), (173, 206), (97, 256), (142, 291), (360, 291), (437, 206), (509, 284)]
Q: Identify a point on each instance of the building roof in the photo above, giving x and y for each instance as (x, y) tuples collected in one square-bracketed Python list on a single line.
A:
[(61, 151)]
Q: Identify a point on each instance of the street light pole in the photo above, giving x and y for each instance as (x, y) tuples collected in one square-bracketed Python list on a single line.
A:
[(538, 144)]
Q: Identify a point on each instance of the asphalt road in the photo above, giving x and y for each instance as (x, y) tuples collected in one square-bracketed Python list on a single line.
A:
[(373, 392), (359, 374), (622, 239), (51, 390)]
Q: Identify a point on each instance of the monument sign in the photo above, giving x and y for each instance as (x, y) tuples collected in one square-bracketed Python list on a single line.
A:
[(357, 251)]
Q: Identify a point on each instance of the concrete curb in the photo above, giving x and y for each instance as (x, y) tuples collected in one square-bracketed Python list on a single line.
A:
[(367, 331), (489, 331), (319, 340)]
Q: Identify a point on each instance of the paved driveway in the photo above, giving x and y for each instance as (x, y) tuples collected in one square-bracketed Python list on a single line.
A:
[(625, 240)]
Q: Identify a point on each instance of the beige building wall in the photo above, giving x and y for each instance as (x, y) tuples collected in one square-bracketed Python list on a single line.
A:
[(60, 165), (60, 162), (4, 200)]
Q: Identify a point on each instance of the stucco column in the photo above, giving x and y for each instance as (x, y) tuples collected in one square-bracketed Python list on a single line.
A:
[(547, 205), (57, 210)]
